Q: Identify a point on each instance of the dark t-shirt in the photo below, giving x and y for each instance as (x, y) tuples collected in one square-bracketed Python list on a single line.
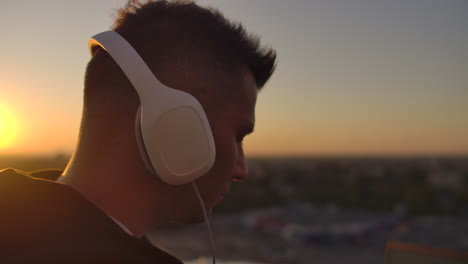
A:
[(42, 221)]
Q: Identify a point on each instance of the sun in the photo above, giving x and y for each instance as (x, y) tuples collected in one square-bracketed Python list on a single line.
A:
[(7, 127)]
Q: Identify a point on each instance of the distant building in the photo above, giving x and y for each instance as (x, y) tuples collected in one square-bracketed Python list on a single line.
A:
[(447, 180)]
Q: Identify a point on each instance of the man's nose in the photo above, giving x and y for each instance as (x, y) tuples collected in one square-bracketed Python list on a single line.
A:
[(241, 169)]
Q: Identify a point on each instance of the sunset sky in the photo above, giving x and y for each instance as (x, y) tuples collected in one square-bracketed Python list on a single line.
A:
[(354, 77)]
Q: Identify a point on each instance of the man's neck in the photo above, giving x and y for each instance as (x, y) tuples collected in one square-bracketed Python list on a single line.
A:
[(131, 202)]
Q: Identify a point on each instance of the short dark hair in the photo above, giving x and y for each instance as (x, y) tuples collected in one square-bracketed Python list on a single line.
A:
[(161, 30)]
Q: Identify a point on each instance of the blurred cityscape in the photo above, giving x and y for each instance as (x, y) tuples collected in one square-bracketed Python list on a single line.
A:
[(322, 210), (414, 185)]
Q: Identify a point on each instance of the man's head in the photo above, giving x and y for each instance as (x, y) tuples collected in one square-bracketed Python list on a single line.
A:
[(182, 42), (188, 48)]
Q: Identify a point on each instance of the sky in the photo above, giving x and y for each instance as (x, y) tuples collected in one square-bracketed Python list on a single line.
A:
[(354, 77)]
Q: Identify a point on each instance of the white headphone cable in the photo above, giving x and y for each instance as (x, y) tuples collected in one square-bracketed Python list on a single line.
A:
[(206, 220)]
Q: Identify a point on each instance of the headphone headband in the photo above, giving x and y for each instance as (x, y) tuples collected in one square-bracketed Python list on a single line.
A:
[(136, 70)]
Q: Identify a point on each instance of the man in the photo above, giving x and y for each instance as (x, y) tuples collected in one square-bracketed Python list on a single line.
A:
[(106, 200)]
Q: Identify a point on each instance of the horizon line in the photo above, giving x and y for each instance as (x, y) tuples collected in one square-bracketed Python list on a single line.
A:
[(278, 156)]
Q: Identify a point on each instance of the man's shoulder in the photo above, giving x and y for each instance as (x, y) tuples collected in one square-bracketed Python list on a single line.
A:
[(48, 174), (11, 180), (24, 185), (49, 220), (31, 206), (10, 174), (14, 176)]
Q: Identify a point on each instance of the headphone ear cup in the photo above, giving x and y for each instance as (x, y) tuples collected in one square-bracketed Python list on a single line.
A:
[(173, 136), (141, 144)]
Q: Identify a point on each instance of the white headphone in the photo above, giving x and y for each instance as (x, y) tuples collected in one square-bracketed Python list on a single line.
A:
[(176, 139)]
